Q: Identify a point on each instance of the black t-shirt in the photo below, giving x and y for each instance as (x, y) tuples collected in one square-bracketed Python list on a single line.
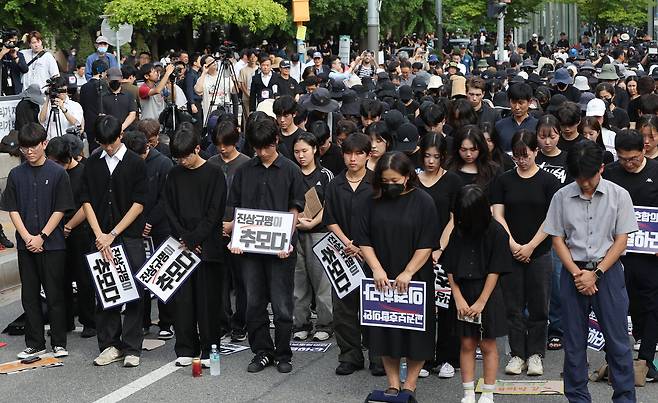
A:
[(620, 118), (318, 179), (444, 193), (565, 145), (333, 159), (557, 166), (526, 202), (642, 186), (634, 109), (287, 144), (119, 105)]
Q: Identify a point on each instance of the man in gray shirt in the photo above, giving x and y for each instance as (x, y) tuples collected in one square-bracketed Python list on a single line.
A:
[(590, 220)]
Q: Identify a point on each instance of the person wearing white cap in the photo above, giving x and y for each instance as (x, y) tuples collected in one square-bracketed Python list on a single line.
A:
[(102, 45), (596, 107)]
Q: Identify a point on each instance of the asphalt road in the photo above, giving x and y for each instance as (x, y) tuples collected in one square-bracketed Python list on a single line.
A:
[(156, 379)]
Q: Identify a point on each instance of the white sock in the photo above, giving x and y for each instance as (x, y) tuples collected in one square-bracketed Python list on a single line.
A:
[(488, 390), (469, 389)]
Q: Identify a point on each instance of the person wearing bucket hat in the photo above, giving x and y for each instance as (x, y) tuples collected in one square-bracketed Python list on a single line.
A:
[(350, 104), (608, 73), (387, 89), (320, 100), (33, 94), (585, 97), (337, 89), (581, 83), (457, 87), (563, 84)]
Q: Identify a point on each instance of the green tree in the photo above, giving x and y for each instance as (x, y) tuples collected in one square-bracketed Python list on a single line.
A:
[(602, 14)]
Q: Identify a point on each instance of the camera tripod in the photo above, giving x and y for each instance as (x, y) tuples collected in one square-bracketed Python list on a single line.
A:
[(224, 67), (53, 116)]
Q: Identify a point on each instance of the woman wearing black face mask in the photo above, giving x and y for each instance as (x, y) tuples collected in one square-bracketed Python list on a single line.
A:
[(397, 235)]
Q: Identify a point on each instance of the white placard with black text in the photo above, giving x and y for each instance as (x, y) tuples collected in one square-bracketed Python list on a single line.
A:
[(114, 282), (344, 272), (262, 231)]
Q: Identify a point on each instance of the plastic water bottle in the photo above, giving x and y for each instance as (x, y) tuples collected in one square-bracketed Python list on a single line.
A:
[(215, 368), (403, 369)]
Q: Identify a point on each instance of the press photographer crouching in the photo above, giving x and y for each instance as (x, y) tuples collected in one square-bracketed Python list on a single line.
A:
[(66, 113)]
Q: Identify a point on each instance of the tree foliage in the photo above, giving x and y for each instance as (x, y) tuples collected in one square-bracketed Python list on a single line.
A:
[(254, 14), (602, 14)]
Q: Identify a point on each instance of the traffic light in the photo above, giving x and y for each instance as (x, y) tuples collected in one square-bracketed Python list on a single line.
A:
[(495, 7)]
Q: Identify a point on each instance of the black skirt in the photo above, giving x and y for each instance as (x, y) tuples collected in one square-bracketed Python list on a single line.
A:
[(494, 318)]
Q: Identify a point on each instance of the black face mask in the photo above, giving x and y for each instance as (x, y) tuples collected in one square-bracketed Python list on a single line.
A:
[(114, 85), (392, 190)]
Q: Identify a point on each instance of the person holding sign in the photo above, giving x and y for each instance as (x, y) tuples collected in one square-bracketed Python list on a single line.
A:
[(197, 223), (113, 196), (477, 253), (37, 196), (520, 199), (309, 274), (346, 199), (402, 216), (271, 182), (639, 176), (590, 221)]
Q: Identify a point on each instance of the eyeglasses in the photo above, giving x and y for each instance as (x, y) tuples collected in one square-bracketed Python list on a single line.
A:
[(32, 149), (635, 159)]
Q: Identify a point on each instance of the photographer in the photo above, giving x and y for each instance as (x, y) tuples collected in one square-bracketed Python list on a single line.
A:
[(41, 64), (69, 112), (12, 65), (210, 86), (150, 93)]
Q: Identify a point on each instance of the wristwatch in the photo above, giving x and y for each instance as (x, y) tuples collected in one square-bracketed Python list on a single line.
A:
[(598, 273), (43, 236), (114, 233)]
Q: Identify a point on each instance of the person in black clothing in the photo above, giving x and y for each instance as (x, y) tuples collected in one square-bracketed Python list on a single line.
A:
[(647, 125), (346, 198), (113, 195), (329, 153), (591, 130), (37, 196), (225, 139), (550, 158), (151, 129), (520, 199), (563, 83), (568, 114), (268, 182), (498, 156), (471, 160), (157, 226), (285, 110), (12, 65), (91, 95), (402, 216), (475, 89), (619, 118), (442, 186), (196, 222), (78, 241), (639, 176), (117, 103), (287, 84)]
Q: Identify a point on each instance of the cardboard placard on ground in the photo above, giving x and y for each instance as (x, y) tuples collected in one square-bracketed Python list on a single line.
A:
[(309, 346), (229, 348), (152, 344), (14, 367), (525, 387)]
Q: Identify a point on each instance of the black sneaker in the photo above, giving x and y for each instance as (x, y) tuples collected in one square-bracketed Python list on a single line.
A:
[(284, 367), (4, 241), (238, 335), (377, 369), (88, 332), (347, 368), (259, 362), (652, 374)]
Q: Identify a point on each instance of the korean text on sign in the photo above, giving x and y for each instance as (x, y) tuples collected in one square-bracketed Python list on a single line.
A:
[(393, 309), (344, 271), (167, 269), (442, 287), (646, 239), (262, 231), (114, 282), (595, 339)]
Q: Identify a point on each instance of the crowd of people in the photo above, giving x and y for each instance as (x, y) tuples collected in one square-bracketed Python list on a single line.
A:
[(519, 178)]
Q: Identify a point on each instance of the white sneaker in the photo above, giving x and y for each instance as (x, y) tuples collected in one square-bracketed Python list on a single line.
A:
[(469, 399), (535, 367), (447, 371), (300, 335), (184, 361), (478, 354), (108, 356), (515, 366), (485, 399), (423, 373), (321, 335), (205, 363), (131, 361), (166, 334), (30, 352), (59, 352)]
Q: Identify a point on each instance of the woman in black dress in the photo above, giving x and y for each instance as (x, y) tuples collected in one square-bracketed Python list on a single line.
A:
[(397, 236), (478, 252), (471, 159)]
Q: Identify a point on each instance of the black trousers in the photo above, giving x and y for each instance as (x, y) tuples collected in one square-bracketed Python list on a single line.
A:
[(196, 306), (642, 288), (350, 336), (447, 342), (45, 269), (128, 335), (78, 244), (165, 311), (234, 319), (269, 279)]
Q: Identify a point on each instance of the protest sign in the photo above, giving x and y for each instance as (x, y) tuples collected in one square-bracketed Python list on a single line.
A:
[(442, 289), (228, 348), (167, 269), (113, 280), (595, 339), (344, 272), (8, 113), (525, 387), (149, 247), (309, 347), (262, 231), (14, 367), (393, 309), (646, 239)]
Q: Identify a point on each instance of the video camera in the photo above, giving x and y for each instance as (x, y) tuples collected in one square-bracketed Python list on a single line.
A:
[(226, 50), (6, 34), (652, 52)]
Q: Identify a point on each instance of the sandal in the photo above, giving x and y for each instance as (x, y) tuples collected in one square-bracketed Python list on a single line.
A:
[(391, 391), (554, 343), (409, 391)]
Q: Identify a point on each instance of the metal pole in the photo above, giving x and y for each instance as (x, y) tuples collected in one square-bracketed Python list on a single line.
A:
[(438, 4), (116, 34), (501, 33), (650, 20), (373, 28)]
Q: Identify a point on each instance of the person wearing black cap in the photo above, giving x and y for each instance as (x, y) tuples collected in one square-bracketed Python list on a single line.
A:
[(406, 103), (117, 103), (90, 95), (349, 108), (287, 84)]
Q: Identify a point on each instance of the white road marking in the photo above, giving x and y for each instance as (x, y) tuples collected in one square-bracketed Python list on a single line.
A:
[(139, 384)]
